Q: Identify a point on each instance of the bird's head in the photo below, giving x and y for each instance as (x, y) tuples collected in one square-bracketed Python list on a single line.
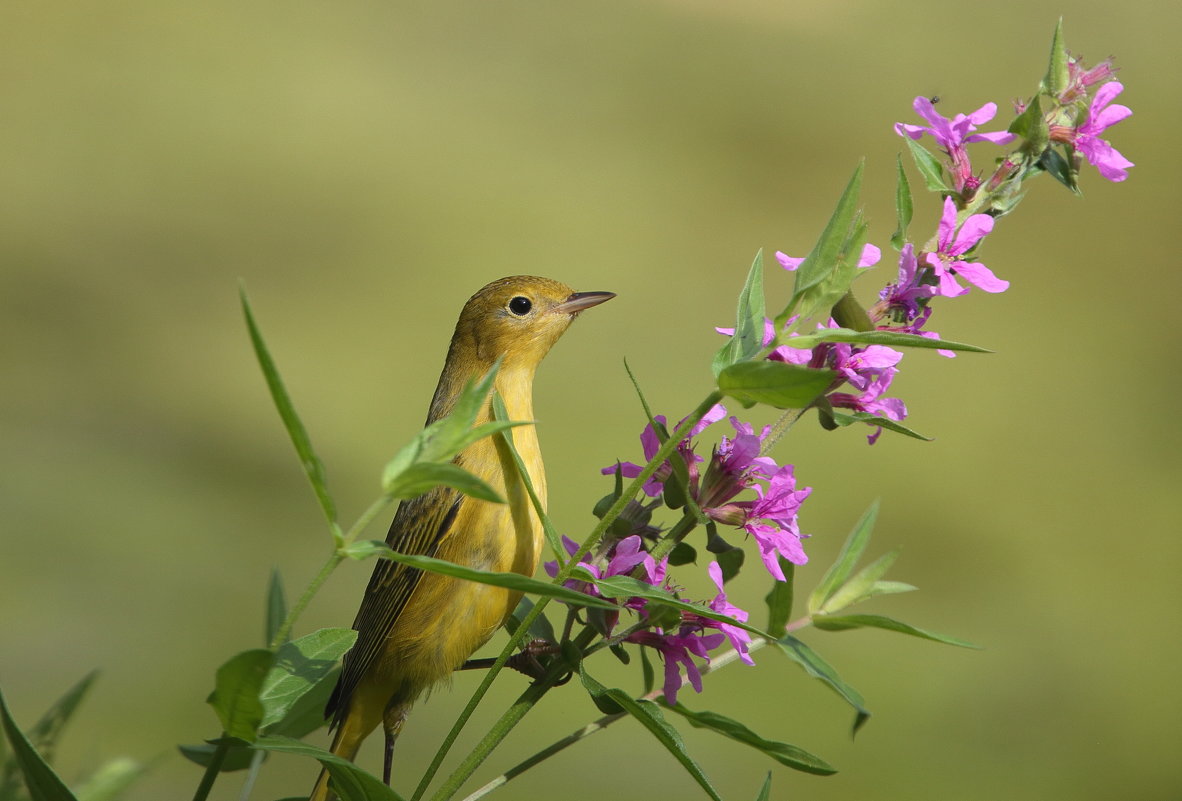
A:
[(519, 318)]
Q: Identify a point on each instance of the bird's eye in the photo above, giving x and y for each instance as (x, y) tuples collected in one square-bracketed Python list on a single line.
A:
[(520, 306)]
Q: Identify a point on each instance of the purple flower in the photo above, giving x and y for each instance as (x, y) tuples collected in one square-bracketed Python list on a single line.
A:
[(650, 444), (953, 134), (677, 651), (1101, 116), (734, 465), (904, 298), (953, 243), (771, 520), (872, 402), (739, 638)]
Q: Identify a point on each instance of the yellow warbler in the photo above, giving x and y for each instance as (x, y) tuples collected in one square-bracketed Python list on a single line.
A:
[(414, 628)]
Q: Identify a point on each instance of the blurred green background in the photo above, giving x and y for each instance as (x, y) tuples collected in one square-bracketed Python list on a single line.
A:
[(364, 167)]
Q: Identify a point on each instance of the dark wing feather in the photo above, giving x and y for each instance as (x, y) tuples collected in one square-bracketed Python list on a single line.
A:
[(419, 525)]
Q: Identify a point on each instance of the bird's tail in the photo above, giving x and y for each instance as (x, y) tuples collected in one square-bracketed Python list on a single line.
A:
[(352, 731)]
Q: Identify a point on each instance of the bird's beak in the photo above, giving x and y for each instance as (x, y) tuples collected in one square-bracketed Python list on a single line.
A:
[(582, 300)]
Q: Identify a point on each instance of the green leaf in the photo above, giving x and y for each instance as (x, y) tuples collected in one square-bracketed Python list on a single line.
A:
[(859, 587), (779, 600), (350, 782), (784, 386), (552, 536), (841, 569), (748, 337), (787, 755), (730, 562), (765, 792), (1057, 77), (276, 605), (111, 780), (628, 587), (298, 666), (238, 757), (313, 467), (893, 338), (826, 273), (842, 419), (904, 206), (846, 622), (1032, 126), (512, 581), (648, 675), (1060, 169), (307, 714), (818, 668), (235, 697), (540, 629), (423, 476), (929, 167), (889, 588), (849, 314), (649, 715), (45, 732), (40, 780)]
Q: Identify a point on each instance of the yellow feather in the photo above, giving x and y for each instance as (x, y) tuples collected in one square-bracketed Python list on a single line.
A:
[(415, 629)]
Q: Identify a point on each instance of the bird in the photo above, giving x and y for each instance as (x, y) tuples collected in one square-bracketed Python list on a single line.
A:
[(415, 628)]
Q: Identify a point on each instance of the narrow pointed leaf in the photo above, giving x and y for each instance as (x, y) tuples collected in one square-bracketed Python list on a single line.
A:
[(843, 419), (892, 338), (628, 587), (423, 476), (235, 698), (48, 729), (818, 668), (540, 629), (276, 605), (1057, 77), (860, 585), (779, 600), (784, 386), (313, 467), (929, 167), (904, 207), (512, 581), (553, 538), (850, 553), (111, 780), (748, 337), (788, 755), (299, 665), (40, 780), (846, 622), (237, 757), (819, 264), (351, 782), (649, 715), (765, 792)]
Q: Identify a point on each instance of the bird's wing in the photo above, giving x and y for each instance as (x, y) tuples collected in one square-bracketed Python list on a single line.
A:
[(419, 525)]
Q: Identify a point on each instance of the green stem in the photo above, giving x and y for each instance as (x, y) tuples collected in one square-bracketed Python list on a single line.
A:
[(687, 523), (212, 769), (311, 590), (780, 428), (500, 730)]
